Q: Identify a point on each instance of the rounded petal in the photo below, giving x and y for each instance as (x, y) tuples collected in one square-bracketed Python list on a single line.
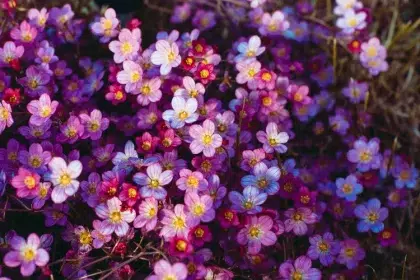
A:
[(42, 257)]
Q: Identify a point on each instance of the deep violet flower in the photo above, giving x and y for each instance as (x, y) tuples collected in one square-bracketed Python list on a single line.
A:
[(94, 124), (324, 248), (371, 215)]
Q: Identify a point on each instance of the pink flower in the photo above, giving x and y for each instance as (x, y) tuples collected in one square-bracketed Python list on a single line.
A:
[(41, 109), (251, 158), (298, 220), (94, 124), (99, 239), (165, 271), (301, 268), (26, 183), (266, 79), (147, 217), (174, 223), (5, 116), (26, 254), (200, 208), (115, 219), (10, 53), (149, 91), (257, 232), (191, 181), (25, 33), (127, 46), (131, 76), (191, 89), (248, 72), (299, 94), (273, 140), (205, 140)]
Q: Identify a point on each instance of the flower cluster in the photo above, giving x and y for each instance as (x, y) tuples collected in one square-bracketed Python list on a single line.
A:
[(204, 162)]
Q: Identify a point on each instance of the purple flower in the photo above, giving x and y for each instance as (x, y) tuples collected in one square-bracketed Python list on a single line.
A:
[(190, 181), (152, 183), (273, 24), (348, 188), (405, 175), (36, 158), (71, 131), (26, 254), (25, 33), (339, 124), (356, 92), (174, 223), (94, 124), (38, 18), (273, 140), (256, 232), (60, 16), (200, 208), (373, 56), (36, 81), (56, 215), (324, 248), (115, 219), (90, 189), (301, 268), (127, 45), (10, 53), (264, 178), (365, 154), (41, 109), (204, 20), (99, 239), (165, 271), (44, 193), (181, 13), (106, 27), (45, 54), (371, 215), (33, 132), (350, 253), (297, 220), (249, 201), (60, 70)]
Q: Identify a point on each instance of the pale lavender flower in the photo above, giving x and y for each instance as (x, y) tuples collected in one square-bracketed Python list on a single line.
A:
[(200, 208), (352, 21), (127, 45), (106, 27), (99, 239), (272, 140), (356, 92), (147, 218), (38, 17), (149, 91), (273, 24), (131, 76), (181, 13), (166, 55), (184, 111), (61, 16), (301, 268), (365, 154), (297, 220), (165, 271), (6, 119), (249, 201), (204, 20), (152, 183), (64, 177), (10, 52), (41, 109)]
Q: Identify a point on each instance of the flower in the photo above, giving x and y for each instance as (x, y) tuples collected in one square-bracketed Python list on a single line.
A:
[(255, 3), (94, 124), (371, 215), (352, 21), (257, 232), (99, 239), (174, 223), (25, 33), (250, 49), (373, 56), (248, 73), (264, 178), (129, 194), (63, 177), (204, 20), (204, 139), (127, 46), (10, 54), (345, 5), (272, 140), (388, 237), (200, 208), (6, 119), (166, 55), (348, 188), (41, 109), (351, 253), (26, 183), (107, 26), (405, 175), (191, 89), (131, 76), (115, 219), (38, 17), (26, 254), (273, 24), (190, 181), (301, 268), (324, 248), (181, 13), (205, 73), (184, 111), (147, 218), (56, 215), (356, 91), (152, 183), (61, 16), (36, 158), (299, 219), (165, 271), (149, 91), (249, 201), (35, 81), (365, 154)]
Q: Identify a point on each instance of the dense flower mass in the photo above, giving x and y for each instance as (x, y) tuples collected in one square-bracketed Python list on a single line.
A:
[(202, 157)]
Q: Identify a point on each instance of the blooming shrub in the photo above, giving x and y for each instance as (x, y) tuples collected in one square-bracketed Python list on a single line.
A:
[(182, 160)]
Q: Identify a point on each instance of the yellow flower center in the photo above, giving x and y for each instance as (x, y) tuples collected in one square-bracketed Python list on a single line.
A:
[(365, 156), (371, 51), (199, 233), (372, 217), (115, 216), (178, 223), (228, 216), (297, 217), (191, 268), (71, 132), (33, 84), (166, 142), (272, 141), (349, 252), (250, 53), (45, 111), (352, 22), (272, 27), (297, 276), (267, 101), (37, 133), (27, 37), (171, 56), (28, 254), (132, 193), (193, 93), (119, 95), (254, 232), (248, 205), (251, 72), (146, 145), (204, 73), (262, 183), (192, 181), (305, 199), (266, 76), (169, 277), (181, 245), (126, 48), (288, 187), (152, 212), (135, 77), (35, 162), (182, 115), (198, 209), (94, 126), (154, 183), (207, 139), (43, 192), (323, 247), (405, 175), (386, 234), (85, 238), (107, 24), (355, 92), (29, 182), (64, 179), (298, 97), (145, 90)]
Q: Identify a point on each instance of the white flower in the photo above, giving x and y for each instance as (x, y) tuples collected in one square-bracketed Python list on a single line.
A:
[(63, 177), (166, 55), (351, 21), (250, 49), (256, 3), (184, 111)]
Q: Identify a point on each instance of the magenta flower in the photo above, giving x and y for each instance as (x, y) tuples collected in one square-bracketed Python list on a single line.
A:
[(26, 254), (351, 253), (10, 53), (94, 124), (115, 219), (200, 208), (6, 119), (26, 183), (165, 271), (297, 220), (147, 218), (25, 33), (204, 139), (99, 239), (106, 27), (388, 237), (152, 183), (301, 268), (256, 232), (174, 223), (129, 194), (299, 94), (127, 46), (191, 181), (273, 140)]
